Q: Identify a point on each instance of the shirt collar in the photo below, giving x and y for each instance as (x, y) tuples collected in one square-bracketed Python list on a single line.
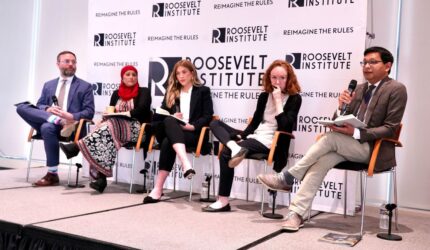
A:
[(69, 79), (376, 84)]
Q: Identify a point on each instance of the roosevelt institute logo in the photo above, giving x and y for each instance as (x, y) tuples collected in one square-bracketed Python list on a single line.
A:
[(104, 88), (295, 59), (218, 35), (115, 39), (175, 9), (97, 88), (159, 72), (331, 60), (240, 34), (309, 3)]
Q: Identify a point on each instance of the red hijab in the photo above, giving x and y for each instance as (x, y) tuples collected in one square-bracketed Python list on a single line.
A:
[(125, 92)]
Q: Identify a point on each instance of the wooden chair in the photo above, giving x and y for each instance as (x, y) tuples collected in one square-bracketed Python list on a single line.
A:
[(268, 160), (136, 148), (202, 148), (79, 133)]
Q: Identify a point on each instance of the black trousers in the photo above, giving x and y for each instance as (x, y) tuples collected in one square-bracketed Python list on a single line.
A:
[(169, 132), (223, 133)]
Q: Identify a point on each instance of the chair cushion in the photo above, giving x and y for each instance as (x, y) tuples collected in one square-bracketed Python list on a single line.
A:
[(37, 137), (206, 149), (350, 165), (257, 156), (62, 139), (129, 145)]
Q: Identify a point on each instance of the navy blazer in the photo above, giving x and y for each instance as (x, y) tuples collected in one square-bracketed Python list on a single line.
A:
[(80, 102), (201, 107), (286, 120)]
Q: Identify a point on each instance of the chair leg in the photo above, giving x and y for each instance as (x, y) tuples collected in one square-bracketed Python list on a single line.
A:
[(117, 167), (30, 154), (212, 165), (191, 181), (247, 181), (175, 167), (345, 193), (362, 175), (363, 207), (69, 175), (262, 189), (132, 170), (396, 211)]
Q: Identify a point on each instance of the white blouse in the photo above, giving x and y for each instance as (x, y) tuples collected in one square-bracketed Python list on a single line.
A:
[(266, 130)]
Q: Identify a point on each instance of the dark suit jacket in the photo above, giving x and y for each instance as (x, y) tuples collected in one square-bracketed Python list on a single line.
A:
[(286, 122), (201, 107), (142, 104), (80, 102), (383, 117)]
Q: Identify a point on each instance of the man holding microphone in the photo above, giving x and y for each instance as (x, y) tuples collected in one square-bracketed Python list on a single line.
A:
[(64, 101)]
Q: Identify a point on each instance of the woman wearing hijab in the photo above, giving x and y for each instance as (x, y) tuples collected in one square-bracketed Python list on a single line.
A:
[(132, 107)]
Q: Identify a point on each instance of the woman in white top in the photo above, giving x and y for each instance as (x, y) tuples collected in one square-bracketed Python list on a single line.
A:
[(277, 109), (191, 102)]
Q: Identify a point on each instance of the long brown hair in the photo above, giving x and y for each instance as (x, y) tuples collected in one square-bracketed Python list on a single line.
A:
[(174, 87), (292, 87)]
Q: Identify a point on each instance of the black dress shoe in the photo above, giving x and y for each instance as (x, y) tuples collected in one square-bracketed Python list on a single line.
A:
[(237, 158), (189, 173), (225, 208), (100, 184), (70, 150), (148, 199)]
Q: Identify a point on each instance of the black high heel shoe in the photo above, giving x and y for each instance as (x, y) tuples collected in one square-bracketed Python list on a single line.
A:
[(70, 149), (99, 184)]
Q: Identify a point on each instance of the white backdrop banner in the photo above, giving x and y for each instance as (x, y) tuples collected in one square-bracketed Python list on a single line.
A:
[(231, 43)]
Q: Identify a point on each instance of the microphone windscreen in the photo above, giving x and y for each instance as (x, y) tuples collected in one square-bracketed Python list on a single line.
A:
[(54, 100), (352, 85)]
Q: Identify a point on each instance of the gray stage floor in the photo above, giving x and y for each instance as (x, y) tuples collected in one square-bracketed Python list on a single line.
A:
[(120, 218)]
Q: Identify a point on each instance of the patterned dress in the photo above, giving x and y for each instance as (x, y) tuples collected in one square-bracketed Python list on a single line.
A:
[(100, 147)]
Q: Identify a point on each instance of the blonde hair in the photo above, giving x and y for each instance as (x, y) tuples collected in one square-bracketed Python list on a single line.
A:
[(174, 87), (292, 87)]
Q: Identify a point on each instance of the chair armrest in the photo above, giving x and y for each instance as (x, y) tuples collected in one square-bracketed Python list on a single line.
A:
[(30, 135), (275, 143), (318, 137), (141, 133), (375, 152), (151, 143), (79, 129), (220, 148), (202, 136), (200, 142)]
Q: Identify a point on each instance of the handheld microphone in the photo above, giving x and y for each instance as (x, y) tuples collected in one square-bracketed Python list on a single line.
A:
[(351, 87), (177, 105), (55, 100)]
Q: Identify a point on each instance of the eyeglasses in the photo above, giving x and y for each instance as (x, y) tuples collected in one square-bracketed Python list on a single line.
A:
[(275, 78), (371, 63), (68, 62)]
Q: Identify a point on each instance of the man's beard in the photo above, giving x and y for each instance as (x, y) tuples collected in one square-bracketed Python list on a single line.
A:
[(68, 72)]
